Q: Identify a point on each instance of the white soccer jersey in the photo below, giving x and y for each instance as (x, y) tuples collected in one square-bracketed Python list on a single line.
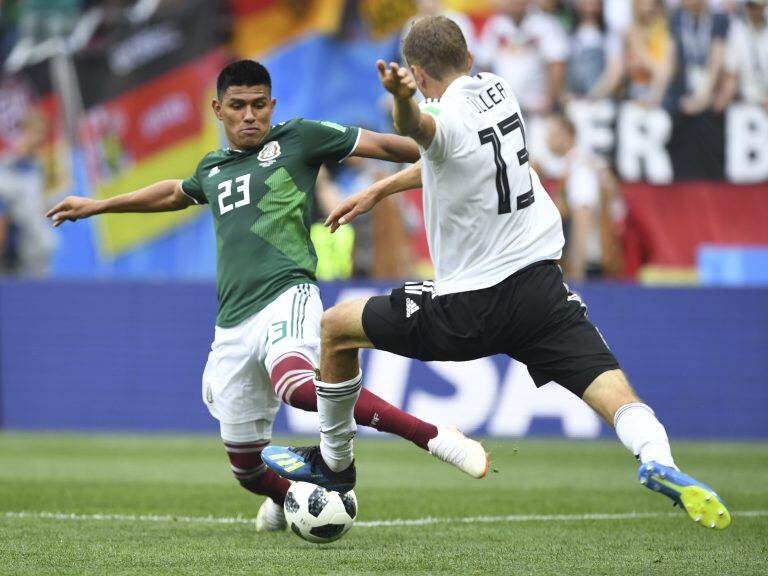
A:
[(486, 212)]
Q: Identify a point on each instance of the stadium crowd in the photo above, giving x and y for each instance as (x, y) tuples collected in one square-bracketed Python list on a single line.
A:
[(689, 57)]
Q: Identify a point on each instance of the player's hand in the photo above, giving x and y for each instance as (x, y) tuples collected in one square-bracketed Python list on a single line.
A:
[(351, 208), (396, 80), (72, 208)]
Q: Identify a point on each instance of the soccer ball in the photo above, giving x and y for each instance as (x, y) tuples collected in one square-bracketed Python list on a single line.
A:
[(319, 515)]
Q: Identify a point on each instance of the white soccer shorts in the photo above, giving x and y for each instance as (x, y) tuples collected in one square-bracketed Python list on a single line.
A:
[(236, 384)]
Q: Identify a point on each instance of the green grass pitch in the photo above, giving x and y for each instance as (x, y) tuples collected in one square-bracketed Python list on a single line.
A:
[(109, 505)]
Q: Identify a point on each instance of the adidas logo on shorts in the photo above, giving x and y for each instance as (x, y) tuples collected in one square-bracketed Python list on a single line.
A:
[(410, 307)]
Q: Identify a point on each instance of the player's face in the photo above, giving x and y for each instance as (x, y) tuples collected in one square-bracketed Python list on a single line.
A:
[(246, 113)]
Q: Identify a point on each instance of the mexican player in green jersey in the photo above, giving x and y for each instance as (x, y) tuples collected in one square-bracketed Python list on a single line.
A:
[(260, 190)]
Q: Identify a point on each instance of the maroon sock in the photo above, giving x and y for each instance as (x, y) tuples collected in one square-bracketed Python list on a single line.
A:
[(292, 377), (251, 472), (376, 412), (268, 484)]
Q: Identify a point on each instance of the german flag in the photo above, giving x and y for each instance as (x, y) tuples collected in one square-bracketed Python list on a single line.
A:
[(146, 92), (260, 26)]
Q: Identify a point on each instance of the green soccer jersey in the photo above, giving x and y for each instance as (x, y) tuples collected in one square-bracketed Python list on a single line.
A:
[(262, 202)]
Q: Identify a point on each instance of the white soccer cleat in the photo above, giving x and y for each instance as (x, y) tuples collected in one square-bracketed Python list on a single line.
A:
[(468, 455), (271, 517)]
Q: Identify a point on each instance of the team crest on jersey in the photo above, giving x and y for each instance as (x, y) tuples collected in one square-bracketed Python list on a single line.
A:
[(269, 154)]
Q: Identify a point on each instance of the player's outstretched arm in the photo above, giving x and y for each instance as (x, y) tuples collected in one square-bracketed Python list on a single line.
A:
[(163, 196), (409, 121), (364, 201), (388, 147)]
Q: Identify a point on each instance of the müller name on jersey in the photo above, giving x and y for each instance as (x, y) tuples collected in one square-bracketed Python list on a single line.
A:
[(488, 98)]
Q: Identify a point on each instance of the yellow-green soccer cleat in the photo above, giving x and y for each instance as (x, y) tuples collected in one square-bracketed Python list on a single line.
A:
[(702, 503)]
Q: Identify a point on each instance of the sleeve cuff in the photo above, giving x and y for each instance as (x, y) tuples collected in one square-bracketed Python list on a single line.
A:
[(354, 147), (181, 187)]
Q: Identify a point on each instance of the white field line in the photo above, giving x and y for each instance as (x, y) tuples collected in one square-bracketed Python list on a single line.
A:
[(363, 524)]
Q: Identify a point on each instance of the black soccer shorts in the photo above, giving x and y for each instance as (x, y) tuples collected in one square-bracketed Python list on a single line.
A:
[(530, 316)]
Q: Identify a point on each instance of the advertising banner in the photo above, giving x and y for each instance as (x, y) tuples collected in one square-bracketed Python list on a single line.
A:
[(147, 117), (654, 146), (665, 225), (130, 356)]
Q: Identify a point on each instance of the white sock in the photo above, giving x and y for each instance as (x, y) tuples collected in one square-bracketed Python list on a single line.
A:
[(336, 409), (641, 432)]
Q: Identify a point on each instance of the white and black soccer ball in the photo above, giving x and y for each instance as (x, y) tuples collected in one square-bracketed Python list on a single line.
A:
[(319, 515)]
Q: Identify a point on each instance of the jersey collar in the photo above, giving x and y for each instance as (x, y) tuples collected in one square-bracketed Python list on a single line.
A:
[(458, 84)]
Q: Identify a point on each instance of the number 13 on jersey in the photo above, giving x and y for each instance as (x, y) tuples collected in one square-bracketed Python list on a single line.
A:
[(490, 136)]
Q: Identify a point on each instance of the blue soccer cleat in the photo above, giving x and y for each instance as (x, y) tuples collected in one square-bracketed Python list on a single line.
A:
[(307, 465), (702, 503)]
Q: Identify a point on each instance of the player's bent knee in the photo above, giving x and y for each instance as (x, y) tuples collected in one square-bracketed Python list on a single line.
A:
[(608, 392), (330, 323), (341, 326)]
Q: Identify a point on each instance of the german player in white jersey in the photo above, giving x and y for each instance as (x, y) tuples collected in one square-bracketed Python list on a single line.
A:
[(486, 213), (494, 236)]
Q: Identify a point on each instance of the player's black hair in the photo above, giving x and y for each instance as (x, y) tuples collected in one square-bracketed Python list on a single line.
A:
[(243, 73)]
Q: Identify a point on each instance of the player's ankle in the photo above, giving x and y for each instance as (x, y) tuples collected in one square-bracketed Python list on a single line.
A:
[(338, 456), (658, 451)]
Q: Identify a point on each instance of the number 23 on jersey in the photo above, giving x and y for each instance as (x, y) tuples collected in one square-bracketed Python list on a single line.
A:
[(229, 201)]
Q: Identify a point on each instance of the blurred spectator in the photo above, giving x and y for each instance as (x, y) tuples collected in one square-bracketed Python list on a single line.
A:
[(562, 10), (21, 192), (726, 6), (650, 54), (588, 202), (375, 244), (746, 58), (334, 251), (529, 50), (595, 60), (352, 177), (618, 15), (700, 46), (382, 248)]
